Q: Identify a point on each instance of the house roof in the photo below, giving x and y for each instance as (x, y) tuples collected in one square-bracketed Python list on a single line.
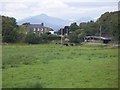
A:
[(39, 26), (35, 26)]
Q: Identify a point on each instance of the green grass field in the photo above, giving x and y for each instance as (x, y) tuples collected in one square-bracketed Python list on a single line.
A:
[(53, 66)]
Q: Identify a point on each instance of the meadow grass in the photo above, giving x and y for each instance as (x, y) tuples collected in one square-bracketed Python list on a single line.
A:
[(53, 66)]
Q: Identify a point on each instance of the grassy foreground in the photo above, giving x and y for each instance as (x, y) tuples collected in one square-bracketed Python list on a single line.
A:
[(53, 66)]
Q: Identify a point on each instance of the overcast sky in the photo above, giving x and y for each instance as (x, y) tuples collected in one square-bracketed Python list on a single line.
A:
[(64, 9)]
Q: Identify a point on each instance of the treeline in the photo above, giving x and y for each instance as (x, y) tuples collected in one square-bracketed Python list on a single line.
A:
[(108, 22), (106, 25), (12, 33)]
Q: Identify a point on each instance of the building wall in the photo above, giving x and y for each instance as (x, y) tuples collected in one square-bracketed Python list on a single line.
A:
[(52, 32), (37, 28)]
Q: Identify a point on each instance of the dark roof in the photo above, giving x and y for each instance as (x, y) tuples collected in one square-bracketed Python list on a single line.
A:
[(35, 26), (39, 26)]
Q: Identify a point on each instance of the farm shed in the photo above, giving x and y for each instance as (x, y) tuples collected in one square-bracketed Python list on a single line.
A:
[(97, 38)]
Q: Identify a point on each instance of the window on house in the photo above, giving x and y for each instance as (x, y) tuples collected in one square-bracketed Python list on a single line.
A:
[(38, 29), (34, 29), (41, 29)]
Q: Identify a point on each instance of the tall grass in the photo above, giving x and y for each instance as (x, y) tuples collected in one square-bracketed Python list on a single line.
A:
[(53, 66)]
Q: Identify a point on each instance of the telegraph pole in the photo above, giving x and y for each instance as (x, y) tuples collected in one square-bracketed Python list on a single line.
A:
[(61, 36), (100, 32)]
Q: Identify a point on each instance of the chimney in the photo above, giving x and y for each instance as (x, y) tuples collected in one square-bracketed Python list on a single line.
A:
[(42, 24)]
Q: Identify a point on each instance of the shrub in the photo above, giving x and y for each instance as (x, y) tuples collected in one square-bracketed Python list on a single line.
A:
[(32, 38), (73, 38)]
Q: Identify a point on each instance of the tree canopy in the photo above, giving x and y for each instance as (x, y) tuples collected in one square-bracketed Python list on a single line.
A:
[(9, 29), (108, 22)]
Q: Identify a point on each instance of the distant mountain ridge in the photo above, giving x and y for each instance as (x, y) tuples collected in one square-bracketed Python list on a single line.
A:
[(52, 22)]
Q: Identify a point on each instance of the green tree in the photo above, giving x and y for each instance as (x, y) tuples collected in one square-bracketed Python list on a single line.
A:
[(109, 22), (74, 26), (9, 29), (21, 33), (90, 28), (81, 34), (73, 38)]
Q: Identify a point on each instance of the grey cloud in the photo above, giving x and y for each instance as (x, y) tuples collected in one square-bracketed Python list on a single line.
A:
[(92, 4)]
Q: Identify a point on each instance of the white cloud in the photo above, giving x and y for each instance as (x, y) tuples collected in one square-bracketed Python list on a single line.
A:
[(14, 6), (57, 8), (60, 0)]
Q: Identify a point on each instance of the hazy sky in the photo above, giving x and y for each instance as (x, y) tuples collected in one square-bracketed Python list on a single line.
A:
[(65, 9)]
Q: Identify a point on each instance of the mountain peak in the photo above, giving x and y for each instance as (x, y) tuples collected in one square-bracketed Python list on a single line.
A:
[(49, 21), (43, 14)]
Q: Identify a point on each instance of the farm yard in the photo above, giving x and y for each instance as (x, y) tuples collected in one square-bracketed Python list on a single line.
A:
[(55, 66)]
